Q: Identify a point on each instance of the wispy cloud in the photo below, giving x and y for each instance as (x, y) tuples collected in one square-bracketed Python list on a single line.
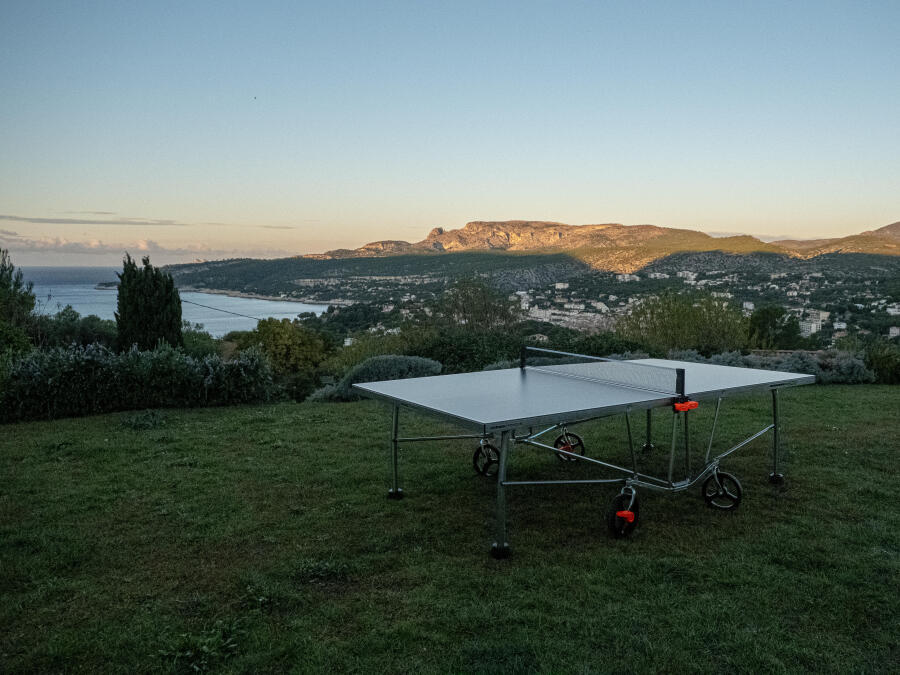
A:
[(143, 222), (277, 227), (96, 247), (92, 213)]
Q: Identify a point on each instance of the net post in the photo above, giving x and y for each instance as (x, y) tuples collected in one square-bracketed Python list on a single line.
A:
[(679, 381), (523, 355)]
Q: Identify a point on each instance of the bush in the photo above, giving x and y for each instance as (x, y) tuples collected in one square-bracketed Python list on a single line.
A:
[(198, 342), (831, 367), (295, 351), (685, 321), (883, 358), (74, 381), (68, 327), (375, 369)]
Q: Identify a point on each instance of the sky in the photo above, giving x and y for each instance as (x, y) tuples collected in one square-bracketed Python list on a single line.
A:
[(186, 130)]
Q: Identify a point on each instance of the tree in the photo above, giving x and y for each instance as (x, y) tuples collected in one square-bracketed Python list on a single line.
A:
[(149, 307), (685, 321), (16, 296), (471, 302), (295, 351), (16, 305), (771, 327)]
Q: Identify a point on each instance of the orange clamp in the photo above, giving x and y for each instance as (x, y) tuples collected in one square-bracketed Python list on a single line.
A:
[(626, 515), (686, 405)]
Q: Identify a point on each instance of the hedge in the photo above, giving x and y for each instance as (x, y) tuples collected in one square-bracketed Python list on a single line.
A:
[(74, 381)]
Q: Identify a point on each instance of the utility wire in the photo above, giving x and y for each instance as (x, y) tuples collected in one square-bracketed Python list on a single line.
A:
[(218, 309)]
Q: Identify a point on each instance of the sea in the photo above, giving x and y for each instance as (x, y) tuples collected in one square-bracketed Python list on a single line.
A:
[(56, 287)]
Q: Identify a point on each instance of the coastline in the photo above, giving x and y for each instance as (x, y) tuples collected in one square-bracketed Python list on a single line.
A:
[(259, 296)]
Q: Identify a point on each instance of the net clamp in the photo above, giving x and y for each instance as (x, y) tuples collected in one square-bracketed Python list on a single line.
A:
[(627, 516), (684, 406)]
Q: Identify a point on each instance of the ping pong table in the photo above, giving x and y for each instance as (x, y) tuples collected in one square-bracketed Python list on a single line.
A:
[(519, 406)]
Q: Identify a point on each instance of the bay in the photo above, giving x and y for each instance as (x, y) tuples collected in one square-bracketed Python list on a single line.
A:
[(56, 287)]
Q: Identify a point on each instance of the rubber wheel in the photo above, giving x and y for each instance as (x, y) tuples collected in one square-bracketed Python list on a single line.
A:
[(570, 443), (724, 494), (486, 460), (620, 527)]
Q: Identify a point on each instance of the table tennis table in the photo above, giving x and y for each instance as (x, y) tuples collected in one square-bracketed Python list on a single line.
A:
[(519, 406)]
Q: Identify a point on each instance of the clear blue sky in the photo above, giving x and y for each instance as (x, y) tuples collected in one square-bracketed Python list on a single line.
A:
[(207, 128)]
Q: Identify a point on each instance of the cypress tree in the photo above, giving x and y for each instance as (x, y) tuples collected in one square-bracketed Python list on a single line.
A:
[(149, 307)]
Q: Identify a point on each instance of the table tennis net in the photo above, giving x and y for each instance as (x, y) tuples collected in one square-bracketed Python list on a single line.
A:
[(621, 373)]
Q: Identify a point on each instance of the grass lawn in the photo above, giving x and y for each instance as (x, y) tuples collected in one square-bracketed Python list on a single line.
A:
[(260, 538)]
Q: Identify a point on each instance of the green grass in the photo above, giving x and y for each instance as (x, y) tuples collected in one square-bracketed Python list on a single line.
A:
[(259, 538)]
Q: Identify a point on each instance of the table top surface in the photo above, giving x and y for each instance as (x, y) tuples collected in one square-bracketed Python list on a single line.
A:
[(494, 400)]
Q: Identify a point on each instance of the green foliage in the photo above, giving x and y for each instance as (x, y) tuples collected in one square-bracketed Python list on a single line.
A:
[(463, 349), (68, 327), (771, 327), (829, 367), (375, 369), (149, 307), (13, 340), (883, 357), (295, 351), (16, 296), (197, 342), (685, 321), (472, 303), (74, 381), (606, 343)]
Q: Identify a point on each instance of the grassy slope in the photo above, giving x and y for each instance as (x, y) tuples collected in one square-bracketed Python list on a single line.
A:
[(259, 538)]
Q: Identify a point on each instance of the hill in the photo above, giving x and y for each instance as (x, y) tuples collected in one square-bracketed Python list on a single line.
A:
[(610, 247), (883, 241)]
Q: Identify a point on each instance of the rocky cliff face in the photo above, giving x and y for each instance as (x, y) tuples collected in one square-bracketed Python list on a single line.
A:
[(612, 246)]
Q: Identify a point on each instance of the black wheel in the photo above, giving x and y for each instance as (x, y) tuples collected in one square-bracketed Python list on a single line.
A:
[(486, 460), (570, 443), (722, 491), (620, 519)]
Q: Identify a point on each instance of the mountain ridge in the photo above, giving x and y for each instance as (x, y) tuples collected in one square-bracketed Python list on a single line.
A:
[(612, 246)]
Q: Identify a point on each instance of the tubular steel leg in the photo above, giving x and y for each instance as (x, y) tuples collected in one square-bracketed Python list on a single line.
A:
[(687, 447), (630, 443), (674, 439), (775, 477), (396, 492), (648, 443), (500, 547)]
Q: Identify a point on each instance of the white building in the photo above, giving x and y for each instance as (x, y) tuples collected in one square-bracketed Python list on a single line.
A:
[(840, 325), (561, 285), (627, 277), (748, 306), (808, 327), (687, 274), (894, 331), (658, 275)]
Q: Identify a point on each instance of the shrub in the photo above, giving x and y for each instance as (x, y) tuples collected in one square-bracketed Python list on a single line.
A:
[(198, 342), (883, 358), (375, 369), (73, 381), (68, 327), (685, 321), (295, 351)]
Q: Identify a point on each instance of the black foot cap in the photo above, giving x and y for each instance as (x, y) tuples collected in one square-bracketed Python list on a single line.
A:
[(647, 448), (776, 478), (395, 494), (500, 552)]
